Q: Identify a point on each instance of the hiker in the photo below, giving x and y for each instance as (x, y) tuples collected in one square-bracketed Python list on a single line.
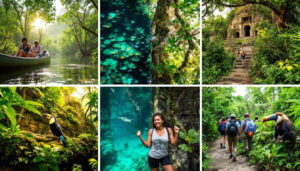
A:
[(232, 132), (243, 56), (37, 49), (284, 128), (221, 129), (248, 128), (25, 49), (158, 140)]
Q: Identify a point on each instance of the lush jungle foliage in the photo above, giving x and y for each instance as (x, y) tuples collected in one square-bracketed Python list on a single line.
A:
[(276, 57), (216, 61), (26, 138), (73, 32), (181, 58), (221, 102)]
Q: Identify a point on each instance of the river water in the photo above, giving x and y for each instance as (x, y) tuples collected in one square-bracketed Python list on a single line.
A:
[(60, 70)]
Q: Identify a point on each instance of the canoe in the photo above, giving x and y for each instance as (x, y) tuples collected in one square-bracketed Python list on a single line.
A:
[(9, 61)]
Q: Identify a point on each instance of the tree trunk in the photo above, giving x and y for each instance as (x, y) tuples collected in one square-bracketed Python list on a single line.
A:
[(164, 13)]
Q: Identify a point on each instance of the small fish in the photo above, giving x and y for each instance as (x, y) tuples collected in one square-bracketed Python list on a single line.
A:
[(124, 119)]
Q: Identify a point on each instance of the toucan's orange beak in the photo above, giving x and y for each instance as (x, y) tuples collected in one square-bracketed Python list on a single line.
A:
[(46, 116)]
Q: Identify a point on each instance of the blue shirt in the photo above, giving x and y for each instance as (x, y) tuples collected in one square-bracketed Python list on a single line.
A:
[(236, 123)]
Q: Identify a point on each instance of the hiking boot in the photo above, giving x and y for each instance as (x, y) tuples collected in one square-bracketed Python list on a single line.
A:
[(221, 145), (247, 158), (230, 156), (224, 146), (234, 158)]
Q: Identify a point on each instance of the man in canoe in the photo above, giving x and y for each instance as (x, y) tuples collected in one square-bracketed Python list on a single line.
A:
[(25, 49)]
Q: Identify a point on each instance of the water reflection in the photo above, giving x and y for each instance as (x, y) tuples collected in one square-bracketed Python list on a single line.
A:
[(61, 70)]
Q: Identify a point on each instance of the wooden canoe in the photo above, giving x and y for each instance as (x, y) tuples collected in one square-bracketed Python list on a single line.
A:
[(10, 61)]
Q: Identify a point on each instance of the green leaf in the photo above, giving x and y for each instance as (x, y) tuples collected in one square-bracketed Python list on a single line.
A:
[(297, 122), (11, 114), (3, 127), (43, 167)]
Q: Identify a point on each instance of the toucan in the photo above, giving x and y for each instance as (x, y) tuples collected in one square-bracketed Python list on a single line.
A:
[(284, 128), (55, 128)]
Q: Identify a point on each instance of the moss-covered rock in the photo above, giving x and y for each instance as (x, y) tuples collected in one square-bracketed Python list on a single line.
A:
[(26, 151)]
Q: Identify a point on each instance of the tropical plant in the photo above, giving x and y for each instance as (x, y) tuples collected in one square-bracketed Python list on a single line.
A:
[(9, 99), (192, 137)]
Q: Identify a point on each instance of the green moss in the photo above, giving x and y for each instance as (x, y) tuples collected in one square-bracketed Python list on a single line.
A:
[(22, 152)]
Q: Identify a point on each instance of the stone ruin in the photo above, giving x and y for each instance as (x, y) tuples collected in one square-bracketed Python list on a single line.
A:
[(243, 22)]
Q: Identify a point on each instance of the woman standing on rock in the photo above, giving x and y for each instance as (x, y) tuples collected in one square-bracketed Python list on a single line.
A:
[(158, 138)]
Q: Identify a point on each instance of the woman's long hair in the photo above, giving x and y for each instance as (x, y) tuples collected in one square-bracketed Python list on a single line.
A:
[(165, 124)]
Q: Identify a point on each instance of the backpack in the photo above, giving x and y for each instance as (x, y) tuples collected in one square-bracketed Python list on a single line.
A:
[(232, 129), (222, 127), (250, 127)]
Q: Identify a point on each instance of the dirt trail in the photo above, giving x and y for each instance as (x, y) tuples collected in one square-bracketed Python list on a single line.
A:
[(221, 162)]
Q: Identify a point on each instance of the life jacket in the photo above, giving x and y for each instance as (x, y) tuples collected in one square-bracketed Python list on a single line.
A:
[(250, 127), (232, 129)]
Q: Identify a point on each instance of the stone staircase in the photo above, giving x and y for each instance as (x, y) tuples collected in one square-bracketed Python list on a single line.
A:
[(240, 73)]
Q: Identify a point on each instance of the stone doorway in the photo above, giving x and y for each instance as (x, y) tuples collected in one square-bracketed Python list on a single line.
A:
[(247, 31)]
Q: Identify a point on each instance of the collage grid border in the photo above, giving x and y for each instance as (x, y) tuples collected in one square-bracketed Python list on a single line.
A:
[(99, 86)]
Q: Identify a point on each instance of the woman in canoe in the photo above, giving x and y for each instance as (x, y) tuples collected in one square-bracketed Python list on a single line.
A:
[(37, 49), (25, 49), (158, 139)]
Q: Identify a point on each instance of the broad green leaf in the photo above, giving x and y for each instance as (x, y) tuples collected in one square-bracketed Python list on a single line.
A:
[(11, 114)]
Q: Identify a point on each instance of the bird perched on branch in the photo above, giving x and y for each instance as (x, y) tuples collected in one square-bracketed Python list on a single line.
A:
[(55, 128), (284, 128)]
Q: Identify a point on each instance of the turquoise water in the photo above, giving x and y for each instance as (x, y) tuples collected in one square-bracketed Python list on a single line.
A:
[(124, 111), (125, 47)]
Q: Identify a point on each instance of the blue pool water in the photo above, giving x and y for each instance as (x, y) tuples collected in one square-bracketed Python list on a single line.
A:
[(124, 111), (125, 47)]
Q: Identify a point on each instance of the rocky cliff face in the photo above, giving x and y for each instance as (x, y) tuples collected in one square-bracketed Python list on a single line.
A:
[(181, 107)]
